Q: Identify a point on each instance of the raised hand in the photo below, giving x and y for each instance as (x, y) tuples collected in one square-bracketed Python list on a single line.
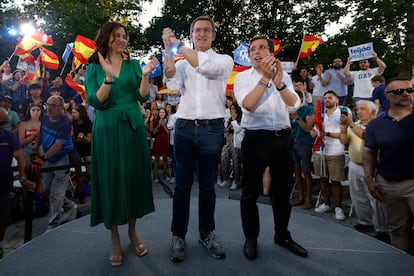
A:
[(106, 66), (150, 66)]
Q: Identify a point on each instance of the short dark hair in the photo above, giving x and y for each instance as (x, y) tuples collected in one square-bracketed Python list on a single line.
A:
[(330, 92), (34, 86), (378, 78), (395, 79), (202, 18)]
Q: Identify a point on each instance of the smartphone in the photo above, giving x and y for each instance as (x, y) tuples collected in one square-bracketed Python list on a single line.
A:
[(344, 110)]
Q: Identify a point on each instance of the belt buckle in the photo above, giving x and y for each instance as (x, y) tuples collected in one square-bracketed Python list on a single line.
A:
[(196, 123), (277, 133)]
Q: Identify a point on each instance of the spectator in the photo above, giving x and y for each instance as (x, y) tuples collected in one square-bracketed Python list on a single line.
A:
[(6, 74), (161, 146), (159, 101), (318, 88), (201, 78), (387, 157), (302, 75), (362, 78), (57, 143), (82, 136), (153, 90), (17, 88), (302, 122), (369, 211), (329, 162), (119, 144), (378, 95), (6, 102), (334, 79), (35, 91), (9, 148), (266, 94)]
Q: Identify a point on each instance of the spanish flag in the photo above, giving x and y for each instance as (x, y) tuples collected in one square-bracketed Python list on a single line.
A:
[(277, 46), (83, 48), (32, 41), (309, 45), (236, 70), (49, 59), (75, 86), (164, 90)]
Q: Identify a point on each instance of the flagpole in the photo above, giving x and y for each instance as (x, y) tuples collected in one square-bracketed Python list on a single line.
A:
[(12, 54), (61, 72), (300, 49)]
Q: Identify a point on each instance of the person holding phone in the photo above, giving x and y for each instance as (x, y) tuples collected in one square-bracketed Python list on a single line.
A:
[(266, 95), (121, 167)]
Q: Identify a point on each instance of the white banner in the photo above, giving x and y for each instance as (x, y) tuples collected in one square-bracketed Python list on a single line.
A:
[(362, 51)]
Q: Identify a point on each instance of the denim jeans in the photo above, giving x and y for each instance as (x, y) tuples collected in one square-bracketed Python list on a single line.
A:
[(195, 147)]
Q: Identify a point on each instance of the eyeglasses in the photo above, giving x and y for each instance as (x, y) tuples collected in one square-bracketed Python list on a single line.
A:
[(260, 48), (204, 30), (401, 91)]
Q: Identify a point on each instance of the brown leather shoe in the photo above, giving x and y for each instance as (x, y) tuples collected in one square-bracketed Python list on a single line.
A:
[(250, 249)]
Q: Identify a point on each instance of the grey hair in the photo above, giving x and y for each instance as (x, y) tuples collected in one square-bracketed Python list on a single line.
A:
[(60, 99), (373, 108)]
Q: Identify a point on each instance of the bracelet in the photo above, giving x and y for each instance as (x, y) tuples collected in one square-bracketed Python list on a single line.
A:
[(281, 88), (108, 82), (263, 84), (181, 44), (328, 134)]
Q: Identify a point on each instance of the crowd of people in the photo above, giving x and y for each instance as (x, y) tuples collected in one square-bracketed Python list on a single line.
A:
[(286, 128)]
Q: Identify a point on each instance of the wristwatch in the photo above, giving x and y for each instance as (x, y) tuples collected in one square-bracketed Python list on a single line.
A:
[(281, 88), (22, 179)]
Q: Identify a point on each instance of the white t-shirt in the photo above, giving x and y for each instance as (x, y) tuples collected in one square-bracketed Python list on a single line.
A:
[(318, 89), (333, 146), (362, 82)]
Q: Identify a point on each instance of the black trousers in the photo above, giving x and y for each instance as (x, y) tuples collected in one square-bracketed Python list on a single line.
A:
[(260, 149)]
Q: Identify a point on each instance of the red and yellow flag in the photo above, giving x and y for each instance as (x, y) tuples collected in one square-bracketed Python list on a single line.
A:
[(32, 41), (236, 70), (164, 90), (309, 45), (277, 46), (75, 86), (83, 48), (49, 59)]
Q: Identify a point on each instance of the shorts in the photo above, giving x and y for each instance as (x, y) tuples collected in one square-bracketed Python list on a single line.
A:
[(303, 156), (5, 209), (333, 166)]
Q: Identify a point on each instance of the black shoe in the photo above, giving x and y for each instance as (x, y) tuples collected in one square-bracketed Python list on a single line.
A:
[(292, 246), (250, 249), (382, 236), (363, 227)]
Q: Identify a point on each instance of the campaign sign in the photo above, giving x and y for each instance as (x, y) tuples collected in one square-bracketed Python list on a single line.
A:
[(362, 51)]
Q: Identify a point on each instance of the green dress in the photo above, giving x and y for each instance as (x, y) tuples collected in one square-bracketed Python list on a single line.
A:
[(120, 166)]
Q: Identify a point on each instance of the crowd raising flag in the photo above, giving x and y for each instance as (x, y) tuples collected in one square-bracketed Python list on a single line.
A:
[(309, 45), (83, 48), (49, 59), (234, 72), (277, 46), (67, 52), (75, 86)]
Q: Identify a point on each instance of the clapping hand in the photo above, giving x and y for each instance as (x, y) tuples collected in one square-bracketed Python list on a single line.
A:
[(150, 66), (106, 66)]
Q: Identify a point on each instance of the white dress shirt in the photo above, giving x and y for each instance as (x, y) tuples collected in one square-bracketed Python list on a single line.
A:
[(271, 113), (203, 89)]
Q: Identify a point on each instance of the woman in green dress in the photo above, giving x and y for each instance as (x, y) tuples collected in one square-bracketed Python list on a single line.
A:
[(121, 168)]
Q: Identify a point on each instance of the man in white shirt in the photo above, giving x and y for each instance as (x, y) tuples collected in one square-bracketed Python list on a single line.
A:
[(266, 95), (199, 130), (318, 88), (362, 78)]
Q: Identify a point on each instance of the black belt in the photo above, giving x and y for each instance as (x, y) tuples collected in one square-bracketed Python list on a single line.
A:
[(398, 179), (203, 122), (280, 132)]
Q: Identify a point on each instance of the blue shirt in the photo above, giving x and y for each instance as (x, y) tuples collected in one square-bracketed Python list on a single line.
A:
[(336, 84), (59, 130), (395, 142), (379, 94), (20, 93), (298, 133), (8, 145)]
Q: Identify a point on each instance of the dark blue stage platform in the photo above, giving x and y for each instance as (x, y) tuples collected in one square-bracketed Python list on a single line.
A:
[(78, 249)]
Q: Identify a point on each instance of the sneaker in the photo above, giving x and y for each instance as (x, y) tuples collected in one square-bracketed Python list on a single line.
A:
[(339, 213), (234, 186), (225, 184), (323, 208), (213, 246), (363, 227), (177, 253)]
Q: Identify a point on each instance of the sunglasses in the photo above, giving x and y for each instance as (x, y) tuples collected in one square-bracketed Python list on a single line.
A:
[(401, 91)]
